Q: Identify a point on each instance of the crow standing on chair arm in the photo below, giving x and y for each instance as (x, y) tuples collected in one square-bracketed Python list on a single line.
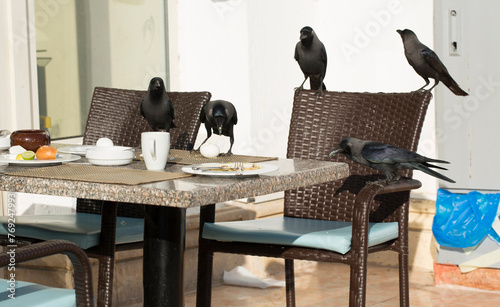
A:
[(387, 158)]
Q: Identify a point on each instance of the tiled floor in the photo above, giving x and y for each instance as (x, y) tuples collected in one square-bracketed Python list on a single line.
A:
[(328, 285)]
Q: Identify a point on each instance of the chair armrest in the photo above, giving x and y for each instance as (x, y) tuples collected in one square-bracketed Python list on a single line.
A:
[(368, 193), (81, 265), (363, 205), (400, 185)]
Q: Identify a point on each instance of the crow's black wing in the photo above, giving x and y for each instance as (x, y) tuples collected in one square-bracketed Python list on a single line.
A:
[(433, 60), (376, 152)]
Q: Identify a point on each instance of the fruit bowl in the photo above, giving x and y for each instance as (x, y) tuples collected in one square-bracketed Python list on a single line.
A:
[(30, 139)]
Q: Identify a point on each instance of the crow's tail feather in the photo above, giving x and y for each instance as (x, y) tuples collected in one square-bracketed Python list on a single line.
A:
[(434, 166), (427, 170), (453, 86)]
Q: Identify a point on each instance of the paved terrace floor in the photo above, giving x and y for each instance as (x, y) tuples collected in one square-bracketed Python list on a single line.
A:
[(328, 285)]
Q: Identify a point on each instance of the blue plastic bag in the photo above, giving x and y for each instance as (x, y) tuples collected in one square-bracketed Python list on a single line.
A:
[(464, 220)]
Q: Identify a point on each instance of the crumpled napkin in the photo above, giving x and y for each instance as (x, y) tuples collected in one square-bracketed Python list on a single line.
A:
[(240, 276)]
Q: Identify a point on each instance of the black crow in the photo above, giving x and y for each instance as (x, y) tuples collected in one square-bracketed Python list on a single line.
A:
[(310, 53), (219, 116), (157, 108), (426, 63), (386, 158)]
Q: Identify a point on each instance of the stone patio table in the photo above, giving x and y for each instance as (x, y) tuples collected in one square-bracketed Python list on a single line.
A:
[(166, 203)]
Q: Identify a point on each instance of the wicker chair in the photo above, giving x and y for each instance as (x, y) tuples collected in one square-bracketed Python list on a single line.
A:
[(114, 113), (317, 125), (32, 294)]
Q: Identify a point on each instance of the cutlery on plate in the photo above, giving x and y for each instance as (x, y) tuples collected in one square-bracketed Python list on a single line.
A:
[(238, 166), (209, 168)]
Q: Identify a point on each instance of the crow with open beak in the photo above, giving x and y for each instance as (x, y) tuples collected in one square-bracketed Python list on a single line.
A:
[(220, 117), (387, 158)]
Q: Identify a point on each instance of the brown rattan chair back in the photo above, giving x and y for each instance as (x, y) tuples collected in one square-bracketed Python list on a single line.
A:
[(114, 113), (319, 124)]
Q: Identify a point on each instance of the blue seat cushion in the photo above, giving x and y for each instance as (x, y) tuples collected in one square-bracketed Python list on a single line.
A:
[(81, 228), (329, 235), (35, 295)]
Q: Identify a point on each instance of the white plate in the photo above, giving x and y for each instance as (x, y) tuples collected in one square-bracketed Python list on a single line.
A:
[(60, 158), (76, 150), (82, 149), (263, 169), (110, 161)]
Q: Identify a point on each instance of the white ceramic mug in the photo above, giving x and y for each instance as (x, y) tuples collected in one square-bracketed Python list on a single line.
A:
[(155, 147)]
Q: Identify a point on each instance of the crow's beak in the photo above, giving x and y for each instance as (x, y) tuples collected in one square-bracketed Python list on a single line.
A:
[(219, 121), (335, 151)]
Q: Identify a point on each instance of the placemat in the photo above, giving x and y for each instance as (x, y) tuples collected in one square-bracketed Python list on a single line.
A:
[(100, 174), (194, 157)]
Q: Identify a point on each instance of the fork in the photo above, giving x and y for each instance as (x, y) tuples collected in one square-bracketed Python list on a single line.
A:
[(239, 167)]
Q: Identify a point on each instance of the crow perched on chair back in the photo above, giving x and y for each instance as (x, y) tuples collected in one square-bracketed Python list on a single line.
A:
[(157, 108), (310, 53), (426, 63)]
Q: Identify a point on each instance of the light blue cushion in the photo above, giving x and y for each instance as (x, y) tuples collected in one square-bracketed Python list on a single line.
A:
[(330, 235), (34, 295), (81, 228)]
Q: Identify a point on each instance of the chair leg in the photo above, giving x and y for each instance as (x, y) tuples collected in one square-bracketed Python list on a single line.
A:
[(290, 283), (404, 284), (357, 289), (105, 281), (205, 260)]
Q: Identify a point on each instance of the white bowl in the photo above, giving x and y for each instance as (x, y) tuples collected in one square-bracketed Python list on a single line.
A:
[(115, 155)]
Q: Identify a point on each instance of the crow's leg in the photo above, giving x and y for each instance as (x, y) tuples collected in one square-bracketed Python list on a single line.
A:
[(396, 176), (201, 144), (426, 83), (231, 141), (436, 81), (301, 87), (209, 134), (320, 89)]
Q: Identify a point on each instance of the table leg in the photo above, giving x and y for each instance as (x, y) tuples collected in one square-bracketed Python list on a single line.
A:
[(163, 262)]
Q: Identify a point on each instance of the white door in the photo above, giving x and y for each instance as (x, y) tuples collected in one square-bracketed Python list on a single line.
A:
[(467, 38)]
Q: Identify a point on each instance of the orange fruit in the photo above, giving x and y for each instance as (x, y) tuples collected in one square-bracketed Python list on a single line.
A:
[(46, 152)]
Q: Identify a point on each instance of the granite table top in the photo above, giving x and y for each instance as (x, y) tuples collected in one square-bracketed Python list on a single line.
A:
[(187, 192)]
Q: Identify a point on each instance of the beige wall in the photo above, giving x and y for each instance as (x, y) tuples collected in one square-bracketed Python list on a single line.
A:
[(54, 22), (137, 44)]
